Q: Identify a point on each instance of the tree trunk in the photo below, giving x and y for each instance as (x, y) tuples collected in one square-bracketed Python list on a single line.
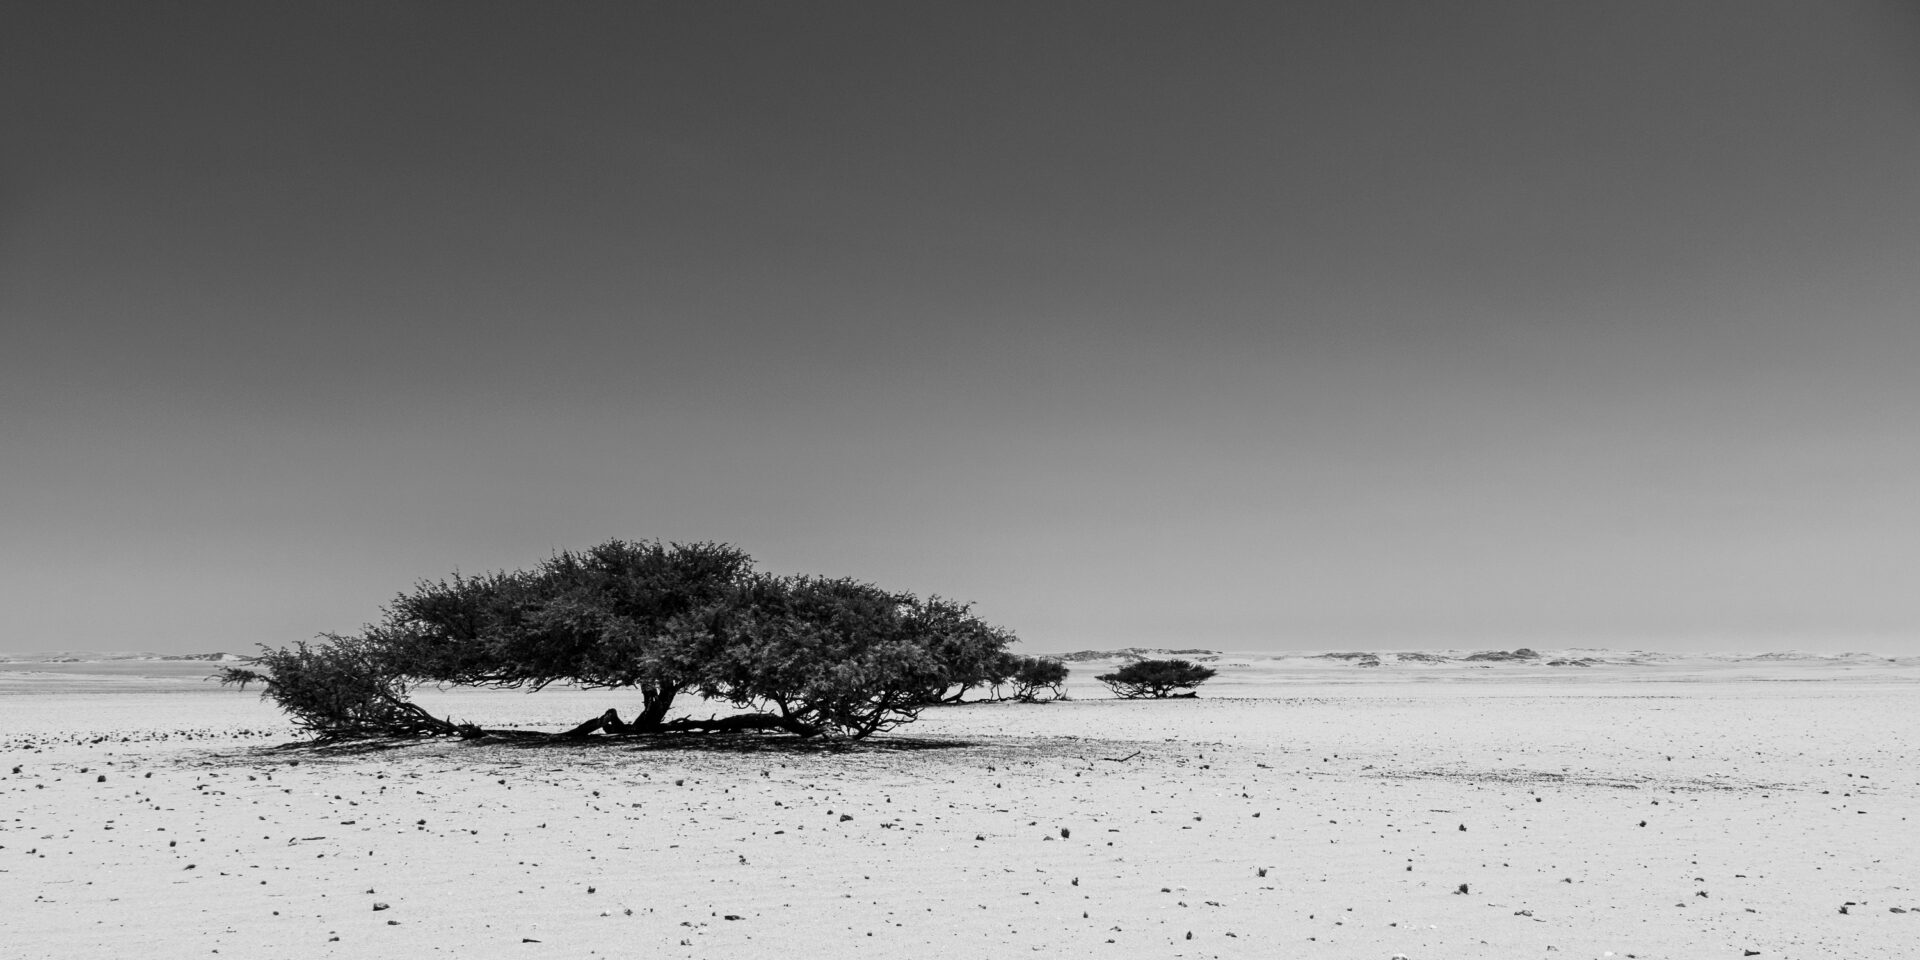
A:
[(609, 721), (658, 699), (737, 723)]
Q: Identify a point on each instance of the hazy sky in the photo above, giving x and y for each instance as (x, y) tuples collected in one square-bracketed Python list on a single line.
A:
[(1247, 326)]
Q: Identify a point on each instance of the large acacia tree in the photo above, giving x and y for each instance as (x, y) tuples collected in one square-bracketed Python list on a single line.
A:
[(812, 656)]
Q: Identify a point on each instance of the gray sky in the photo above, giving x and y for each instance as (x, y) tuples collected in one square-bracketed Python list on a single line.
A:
[(1248, 326)]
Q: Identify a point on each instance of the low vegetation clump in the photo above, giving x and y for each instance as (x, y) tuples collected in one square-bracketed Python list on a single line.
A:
[(1156, 679), (812, 656)]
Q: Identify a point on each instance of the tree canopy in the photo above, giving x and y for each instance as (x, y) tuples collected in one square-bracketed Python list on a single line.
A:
[(1155, 679), (1030, 675), (812, 656)]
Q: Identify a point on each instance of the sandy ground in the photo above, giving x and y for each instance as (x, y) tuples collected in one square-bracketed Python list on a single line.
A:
[(1703, 809)]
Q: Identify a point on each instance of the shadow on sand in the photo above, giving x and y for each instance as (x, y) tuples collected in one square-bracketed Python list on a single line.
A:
[(677, 743)]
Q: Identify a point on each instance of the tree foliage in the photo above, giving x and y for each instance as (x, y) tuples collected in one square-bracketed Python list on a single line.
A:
[(1032, 675), (971, 652), (342, 688), (813, 656), (615, 615), (1155, 678), (825, 655)]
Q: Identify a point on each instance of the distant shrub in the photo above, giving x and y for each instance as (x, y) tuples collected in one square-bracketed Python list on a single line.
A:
[(1155, 679), (1031, 675)]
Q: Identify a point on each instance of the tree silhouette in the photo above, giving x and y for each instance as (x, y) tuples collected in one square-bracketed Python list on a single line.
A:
[(1155, 679), (811, 656)]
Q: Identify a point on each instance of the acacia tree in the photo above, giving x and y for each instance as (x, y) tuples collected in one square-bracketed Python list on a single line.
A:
[(1030, 675), (812, 656), (1156, 679)]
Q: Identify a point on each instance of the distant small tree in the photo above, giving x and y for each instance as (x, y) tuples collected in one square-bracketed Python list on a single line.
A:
[(1155, 679), (1031, 675)]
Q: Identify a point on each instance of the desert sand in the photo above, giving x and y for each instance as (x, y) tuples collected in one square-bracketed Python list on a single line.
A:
[(1639, 806)]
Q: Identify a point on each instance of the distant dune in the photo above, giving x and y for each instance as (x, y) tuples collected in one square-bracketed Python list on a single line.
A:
[(1134, 653), (1522, 656), (89, 656)]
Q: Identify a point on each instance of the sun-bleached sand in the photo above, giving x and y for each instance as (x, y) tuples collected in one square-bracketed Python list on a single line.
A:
[(1642, 807)]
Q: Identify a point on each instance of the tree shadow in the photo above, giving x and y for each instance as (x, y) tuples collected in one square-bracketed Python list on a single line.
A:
[(639, 743), (783, 745), (728, 743)]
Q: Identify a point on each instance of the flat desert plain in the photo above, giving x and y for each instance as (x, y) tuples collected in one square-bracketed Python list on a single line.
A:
[(1639, 806)]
